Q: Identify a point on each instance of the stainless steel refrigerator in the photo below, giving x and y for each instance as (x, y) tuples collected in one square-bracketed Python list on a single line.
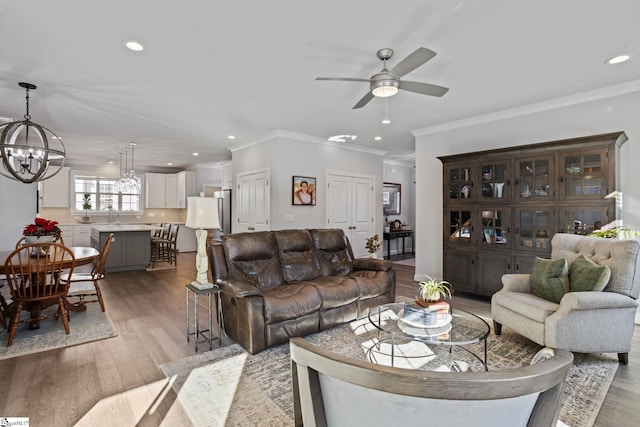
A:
[(224, 210)]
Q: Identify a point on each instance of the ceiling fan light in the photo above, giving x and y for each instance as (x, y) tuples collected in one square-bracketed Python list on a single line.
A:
[(384, 91)]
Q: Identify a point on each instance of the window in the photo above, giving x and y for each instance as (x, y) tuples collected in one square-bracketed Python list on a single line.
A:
[(103, 195)]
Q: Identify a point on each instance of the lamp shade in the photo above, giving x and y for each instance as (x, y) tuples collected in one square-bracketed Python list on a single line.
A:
[(202, 212)]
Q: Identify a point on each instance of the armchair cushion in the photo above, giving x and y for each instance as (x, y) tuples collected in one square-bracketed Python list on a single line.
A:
[(549, 279), (586, 275)]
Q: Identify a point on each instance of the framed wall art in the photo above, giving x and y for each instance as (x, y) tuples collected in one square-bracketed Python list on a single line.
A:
[(303, 191)]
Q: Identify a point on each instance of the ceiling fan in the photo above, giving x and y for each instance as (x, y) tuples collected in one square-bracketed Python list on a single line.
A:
[(387, 82)]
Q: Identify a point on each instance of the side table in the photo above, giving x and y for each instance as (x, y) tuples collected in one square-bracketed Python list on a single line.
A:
[(206, 334)]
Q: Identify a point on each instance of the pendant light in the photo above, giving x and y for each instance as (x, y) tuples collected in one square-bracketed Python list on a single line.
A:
[(116, 185), (130, 183), (28, 154)]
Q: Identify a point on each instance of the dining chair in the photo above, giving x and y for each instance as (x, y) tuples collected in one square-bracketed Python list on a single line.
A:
[(85, 284), (34, 281), (3, 305)]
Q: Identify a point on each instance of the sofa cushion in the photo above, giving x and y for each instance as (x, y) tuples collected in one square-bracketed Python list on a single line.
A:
[(334, 252), (549, 279), (586, 275), (290, 301), (373, 283), (336, 291), (253, 257), (297, 255)]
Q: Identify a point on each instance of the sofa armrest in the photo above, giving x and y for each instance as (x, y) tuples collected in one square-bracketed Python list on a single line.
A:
[(516, 283), (371, 264), (238, 288), (595, 300)]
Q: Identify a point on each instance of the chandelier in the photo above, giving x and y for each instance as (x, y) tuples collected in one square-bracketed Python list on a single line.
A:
[(28, 154), (129, 182)]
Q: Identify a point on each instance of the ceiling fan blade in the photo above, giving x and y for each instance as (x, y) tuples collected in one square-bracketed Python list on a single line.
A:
[(424, 88), (344, 79), (413, 61), (365, 99)]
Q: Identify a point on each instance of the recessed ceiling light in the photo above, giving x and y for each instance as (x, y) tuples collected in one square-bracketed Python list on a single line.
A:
[(110, 162), (169, 164), (386, 121), (342, 138), (231, 137), (618, 59), (196, 154), (135, 46), (378, 138)]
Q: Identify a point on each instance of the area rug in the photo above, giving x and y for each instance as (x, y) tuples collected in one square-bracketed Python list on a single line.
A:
[(228, 386), (85, 326)]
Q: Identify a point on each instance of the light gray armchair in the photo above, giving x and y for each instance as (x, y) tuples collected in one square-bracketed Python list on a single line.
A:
[(584, 322)]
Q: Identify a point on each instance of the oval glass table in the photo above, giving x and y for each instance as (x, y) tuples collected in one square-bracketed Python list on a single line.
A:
[(457, 328)]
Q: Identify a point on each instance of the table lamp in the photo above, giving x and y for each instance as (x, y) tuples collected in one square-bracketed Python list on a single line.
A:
[(202, 213)]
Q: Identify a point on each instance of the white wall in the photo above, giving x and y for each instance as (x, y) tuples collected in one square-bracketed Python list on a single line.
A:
[(18, 209), (290, 154)]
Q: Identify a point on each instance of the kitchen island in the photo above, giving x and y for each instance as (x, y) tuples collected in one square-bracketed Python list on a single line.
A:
[(131, 247)]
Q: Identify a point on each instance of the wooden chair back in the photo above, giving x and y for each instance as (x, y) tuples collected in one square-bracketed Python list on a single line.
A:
[(33, 275), (330, 389), (97, 273)]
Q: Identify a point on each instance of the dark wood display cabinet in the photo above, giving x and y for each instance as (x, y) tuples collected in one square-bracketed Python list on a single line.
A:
[(502, 207)]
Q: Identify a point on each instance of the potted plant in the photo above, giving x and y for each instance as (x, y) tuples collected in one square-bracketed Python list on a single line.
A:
[(86, 205), (434, 290), (373, 244), (42, 231), (616, 233)]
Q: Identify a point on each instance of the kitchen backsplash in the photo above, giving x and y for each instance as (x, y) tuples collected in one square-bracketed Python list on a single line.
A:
[(150, 216)]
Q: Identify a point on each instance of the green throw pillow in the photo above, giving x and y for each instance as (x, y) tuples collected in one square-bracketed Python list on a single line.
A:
[(549, 279), (586, 275)]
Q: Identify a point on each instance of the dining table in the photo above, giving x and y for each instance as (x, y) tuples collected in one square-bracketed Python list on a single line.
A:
[(83, 255)]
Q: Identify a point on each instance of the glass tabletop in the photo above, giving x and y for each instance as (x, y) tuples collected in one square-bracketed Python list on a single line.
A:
[(457, 327)]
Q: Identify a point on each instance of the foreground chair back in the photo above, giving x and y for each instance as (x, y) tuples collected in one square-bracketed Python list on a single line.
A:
[(82, 285), (34, 281), (333, 390)]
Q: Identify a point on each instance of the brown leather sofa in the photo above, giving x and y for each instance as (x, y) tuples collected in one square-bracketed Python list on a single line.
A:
[(287, 283)]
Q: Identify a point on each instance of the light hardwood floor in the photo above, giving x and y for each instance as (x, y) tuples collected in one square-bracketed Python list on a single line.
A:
[(118, 381)]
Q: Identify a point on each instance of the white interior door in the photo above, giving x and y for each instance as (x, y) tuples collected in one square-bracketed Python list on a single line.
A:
[(253, 201), (350, 203)]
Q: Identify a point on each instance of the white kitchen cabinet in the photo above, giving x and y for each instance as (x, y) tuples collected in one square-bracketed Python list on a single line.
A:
[(54, 192), (253, 201), (164, 191), (227, 176), (170, 191), (81, 235), (154, 190), (66, 231), (186, 187)]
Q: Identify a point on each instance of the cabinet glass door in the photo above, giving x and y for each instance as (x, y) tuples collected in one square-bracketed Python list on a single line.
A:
[(460, 183), (583, 220), (583, 175), (533, 180), (495, 181), (459, 227), (535, 229), (495, 228)]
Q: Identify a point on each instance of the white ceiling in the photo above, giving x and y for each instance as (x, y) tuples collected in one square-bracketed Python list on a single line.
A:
[(210, 69)]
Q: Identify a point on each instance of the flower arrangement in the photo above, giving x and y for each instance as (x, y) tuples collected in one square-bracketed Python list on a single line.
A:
[(373, 244), (42, 227)]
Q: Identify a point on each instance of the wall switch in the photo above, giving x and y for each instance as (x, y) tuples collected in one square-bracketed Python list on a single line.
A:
[(152, 214), (289, 218), (161, 213)]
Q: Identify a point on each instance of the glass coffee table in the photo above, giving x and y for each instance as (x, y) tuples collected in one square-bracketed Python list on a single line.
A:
[(457, 328)]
